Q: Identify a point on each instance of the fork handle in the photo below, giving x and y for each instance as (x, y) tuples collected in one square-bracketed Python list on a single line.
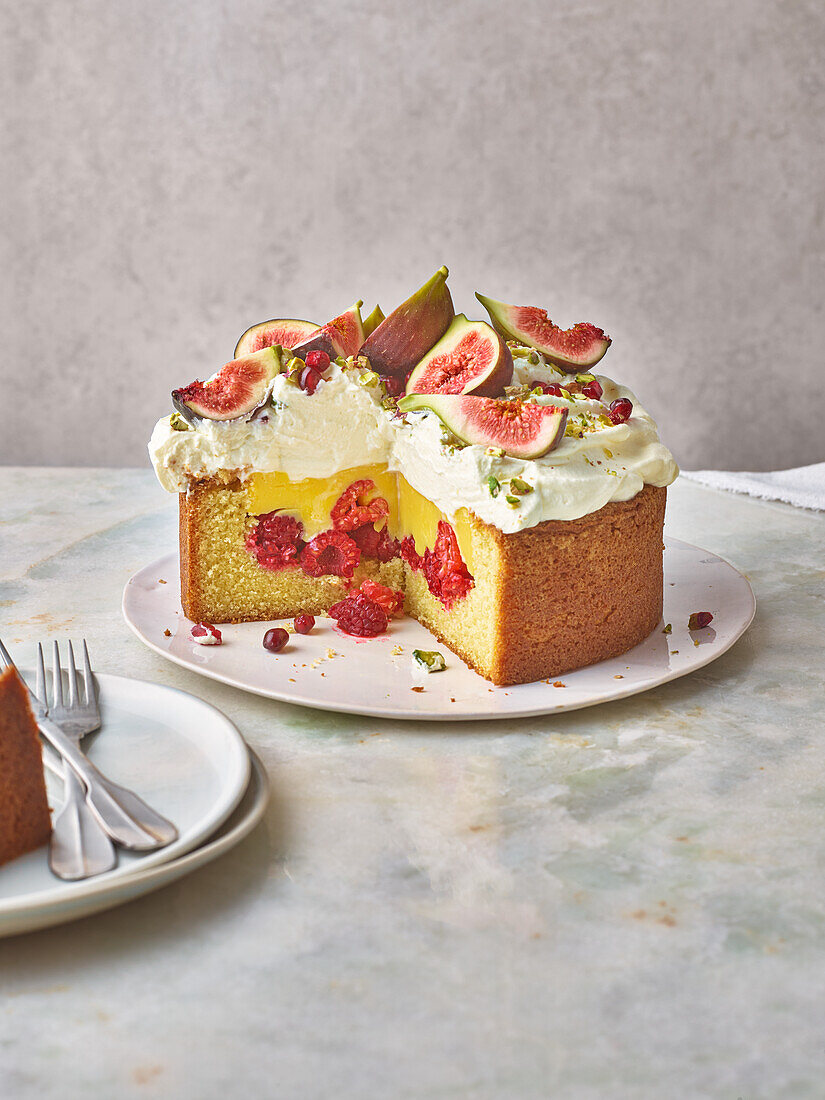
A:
[(79, 846), (125, 817)]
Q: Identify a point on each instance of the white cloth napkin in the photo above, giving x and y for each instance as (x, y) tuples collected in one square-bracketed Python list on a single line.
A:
[(803, 486)]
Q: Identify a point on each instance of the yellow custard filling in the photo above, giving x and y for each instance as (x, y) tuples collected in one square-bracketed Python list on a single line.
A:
[(311, 500)]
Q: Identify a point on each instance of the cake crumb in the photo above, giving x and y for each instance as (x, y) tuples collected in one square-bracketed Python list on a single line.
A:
[(619, 676), (292, 679), (417, 689), (559, 684), (451, 699), (673, 652), (161, 580), (167, 633), (331, 653), (396, 649)]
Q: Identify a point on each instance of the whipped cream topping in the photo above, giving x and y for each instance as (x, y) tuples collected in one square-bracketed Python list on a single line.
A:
[(343, 424)]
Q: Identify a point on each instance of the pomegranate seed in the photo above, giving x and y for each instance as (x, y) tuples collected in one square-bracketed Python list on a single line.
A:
[(309, 379), (304, 623), (620, 410), (317, 359), (275, 639), (206, 634), (593, 390), (699, 619), (552, 389)]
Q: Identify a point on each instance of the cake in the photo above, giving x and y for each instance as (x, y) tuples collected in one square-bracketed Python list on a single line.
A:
[(483, 470), (24, 810)]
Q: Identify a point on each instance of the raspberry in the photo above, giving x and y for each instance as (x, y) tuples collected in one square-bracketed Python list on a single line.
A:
[(385, 597), (620, 410), (699, 620), (407, 552), (304, 623), (275, 540), (309, 379), (446, 574), (553, 389), (332, 553), (360, 616), (317, 359), (275, 639), (374, 544), (206, 634), (352, 509), (592, 389)]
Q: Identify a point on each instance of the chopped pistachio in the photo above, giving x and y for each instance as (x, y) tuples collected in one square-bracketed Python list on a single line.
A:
[(609, 453), (429, 659), (533, 358), (517, 391), (494, 452), (368, 378), (520, 487), (583, 379), (493, 485), (514, 501), (667, 628), (178, 423), (389, 403)]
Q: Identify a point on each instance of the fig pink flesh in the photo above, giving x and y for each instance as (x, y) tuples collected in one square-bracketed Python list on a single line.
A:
[(238, 388), (286, 332), (517, 427), (451, 371)]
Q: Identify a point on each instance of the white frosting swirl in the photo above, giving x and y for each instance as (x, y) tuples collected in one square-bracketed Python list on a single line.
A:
[(343, 425)]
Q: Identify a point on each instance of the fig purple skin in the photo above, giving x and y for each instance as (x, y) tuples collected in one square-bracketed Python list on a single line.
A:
[(583, 345), (236, 390), (280, 330), (404, 338), (525, 430), (470, 357)]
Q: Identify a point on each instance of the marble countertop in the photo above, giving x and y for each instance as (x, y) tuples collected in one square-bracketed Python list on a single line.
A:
[(624, 901)]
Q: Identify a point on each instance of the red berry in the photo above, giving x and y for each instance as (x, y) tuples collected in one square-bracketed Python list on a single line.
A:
[(408, 553), (317, 359), (275, 540), (304, 623), (374, 544), (444, 570), (620, 410), (699, 619), (360, 616), (309, 380), (332, 553), (353, 508), (385, 597), (553, 389), (206, 634), (593, 389), (275, 639)]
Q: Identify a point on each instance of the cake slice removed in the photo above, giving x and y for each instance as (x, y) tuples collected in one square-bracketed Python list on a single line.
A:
[(24, 810)]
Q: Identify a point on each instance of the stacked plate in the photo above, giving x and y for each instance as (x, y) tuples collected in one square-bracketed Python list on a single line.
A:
[(188, 761)]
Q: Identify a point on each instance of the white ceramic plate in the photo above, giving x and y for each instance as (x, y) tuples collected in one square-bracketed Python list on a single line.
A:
[(180, 754), (97, 894), (371, 677)]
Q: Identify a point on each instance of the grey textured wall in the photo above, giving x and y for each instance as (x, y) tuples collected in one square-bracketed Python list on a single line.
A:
[(172, 172)]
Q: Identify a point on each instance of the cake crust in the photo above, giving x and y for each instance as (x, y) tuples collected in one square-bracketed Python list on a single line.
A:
[(24, 810)]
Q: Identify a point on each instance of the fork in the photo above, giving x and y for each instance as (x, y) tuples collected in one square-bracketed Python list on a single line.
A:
[(79, 846), (123, 814)]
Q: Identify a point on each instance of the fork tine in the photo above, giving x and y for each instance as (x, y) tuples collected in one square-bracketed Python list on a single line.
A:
[(57, 678), (71, 671), (88, 682), (5, 657), (40, 682)]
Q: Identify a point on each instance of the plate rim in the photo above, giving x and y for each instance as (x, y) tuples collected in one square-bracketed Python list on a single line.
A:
[(623, 692), (114, 892), (62, 889)]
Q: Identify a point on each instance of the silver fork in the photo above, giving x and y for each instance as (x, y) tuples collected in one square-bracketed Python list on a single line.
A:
[(123, 814), (79, 846)]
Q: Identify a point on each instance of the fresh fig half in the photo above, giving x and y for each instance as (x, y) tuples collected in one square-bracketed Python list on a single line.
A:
[(343, 335), (521, 429), (373, 321), (236, 390), (583, 345), (405, 337), (470, 357), (280, 330)]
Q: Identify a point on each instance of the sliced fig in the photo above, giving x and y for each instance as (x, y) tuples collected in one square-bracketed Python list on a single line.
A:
[(583, 345), (236, 390), (470, 357), (280, 330), (343, 335), (521, 429), (373, 321), (405, 337)]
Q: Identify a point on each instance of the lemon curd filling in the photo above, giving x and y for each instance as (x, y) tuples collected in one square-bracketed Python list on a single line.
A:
[(311, 500)]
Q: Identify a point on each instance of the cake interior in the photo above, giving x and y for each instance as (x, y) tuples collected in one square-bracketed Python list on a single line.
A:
[(24, 809)]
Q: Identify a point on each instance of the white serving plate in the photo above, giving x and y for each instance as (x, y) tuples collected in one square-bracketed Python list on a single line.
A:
[(98, 894), (182, 756), (370, 677)]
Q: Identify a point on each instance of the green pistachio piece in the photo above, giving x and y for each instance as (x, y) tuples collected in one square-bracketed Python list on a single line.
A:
[(429, 659), (583, 379), (667, 628), (177, 423), (514, 501), (493, 485), (520, 487), (368, 378)]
